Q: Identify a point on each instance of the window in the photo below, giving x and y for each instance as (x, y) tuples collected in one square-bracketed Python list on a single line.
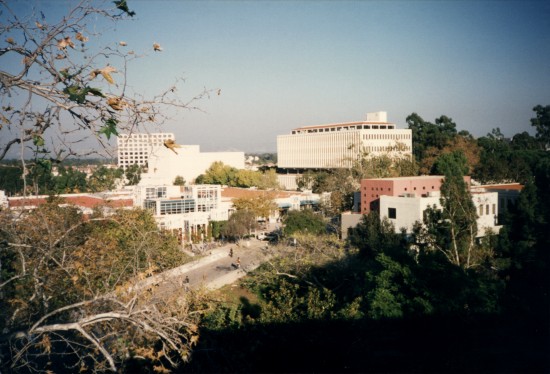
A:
[(177, 206), (481, 210), (487, 209), (494, 209), (392, 213)]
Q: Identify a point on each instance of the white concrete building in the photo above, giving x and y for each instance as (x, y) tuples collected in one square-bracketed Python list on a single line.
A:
[(136, 148), (3, 200), (339, 145), (186, 210), (186, 161), (403, 211)]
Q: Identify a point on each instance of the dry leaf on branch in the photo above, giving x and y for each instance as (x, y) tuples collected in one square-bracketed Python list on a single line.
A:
[(10, 40), (123, 44), (65, 42), (116, 103), (106, 72), (157, 47), (81, 37)]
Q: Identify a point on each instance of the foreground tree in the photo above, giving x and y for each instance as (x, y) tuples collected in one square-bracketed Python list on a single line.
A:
[(71, 296), (59, 91), (452, 229), (65, 280)]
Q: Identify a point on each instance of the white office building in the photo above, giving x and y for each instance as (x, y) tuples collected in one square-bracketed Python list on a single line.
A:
[(405, 210), (339, 145), (186, 161), (186, 210), (136, 148)]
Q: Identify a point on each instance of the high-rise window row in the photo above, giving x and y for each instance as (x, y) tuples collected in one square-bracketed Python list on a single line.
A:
[(136, 148)]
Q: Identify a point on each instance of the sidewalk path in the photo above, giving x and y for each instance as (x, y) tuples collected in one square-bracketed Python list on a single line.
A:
[(212, 271)]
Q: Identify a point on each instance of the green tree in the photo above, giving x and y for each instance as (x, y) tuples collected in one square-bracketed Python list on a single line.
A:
[(495, 151), (218, 173), (428, 135), (304, 221), (268, 180), (262, 205), (240, 224), (541, 122), (70, 180), (179, 181), (11, 179), (133, 174), (448, 161), (104, 179), (456, 228), (39, 177), (373, 236), (246, 178)]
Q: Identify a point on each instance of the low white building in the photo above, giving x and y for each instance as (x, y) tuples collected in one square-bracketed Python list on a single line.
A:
[(3, 200), (187, 210), (187, 161), (405, 210)]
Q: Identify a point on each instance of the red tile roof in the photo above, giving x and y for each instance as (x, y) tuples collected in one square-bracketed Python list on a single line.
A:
[(85, 201), (504, 186)]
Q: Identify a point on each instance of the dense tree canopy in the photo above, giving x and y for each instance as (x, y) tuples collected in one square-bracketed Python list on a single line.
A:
[(65, 283), (262, 205), (541, 122), (304, 221), (219, 173)]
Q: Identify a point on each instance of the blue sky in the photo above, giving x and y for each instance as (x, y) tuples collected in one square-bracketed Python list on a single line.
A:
[(285, 64)]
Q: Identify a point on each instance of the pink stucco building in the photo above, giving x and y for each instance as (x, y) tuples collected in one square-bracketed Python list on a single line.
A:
[(373, 188)]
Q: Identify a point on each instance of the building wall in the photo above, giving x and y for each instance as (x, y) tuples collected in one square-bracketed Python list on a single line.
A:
[(372, 189), (487, 210), (348, 220), (318, 150), (408, 210), (288, 181), (339, 145), (136, 148), (194, 207), (165, 165)]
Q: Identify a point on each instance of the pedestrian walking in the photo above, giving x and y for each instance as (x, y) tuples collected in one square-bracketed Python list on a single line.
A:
[(238, 264), (231, 252)]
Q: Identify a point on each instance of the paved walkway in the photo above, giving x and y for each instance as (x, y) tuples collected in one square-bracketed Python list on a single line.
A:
[(213, 271)]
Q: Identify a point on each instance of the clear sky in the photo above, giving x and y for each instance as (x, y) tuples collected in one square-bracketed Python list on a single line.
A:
[(285, 64)]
